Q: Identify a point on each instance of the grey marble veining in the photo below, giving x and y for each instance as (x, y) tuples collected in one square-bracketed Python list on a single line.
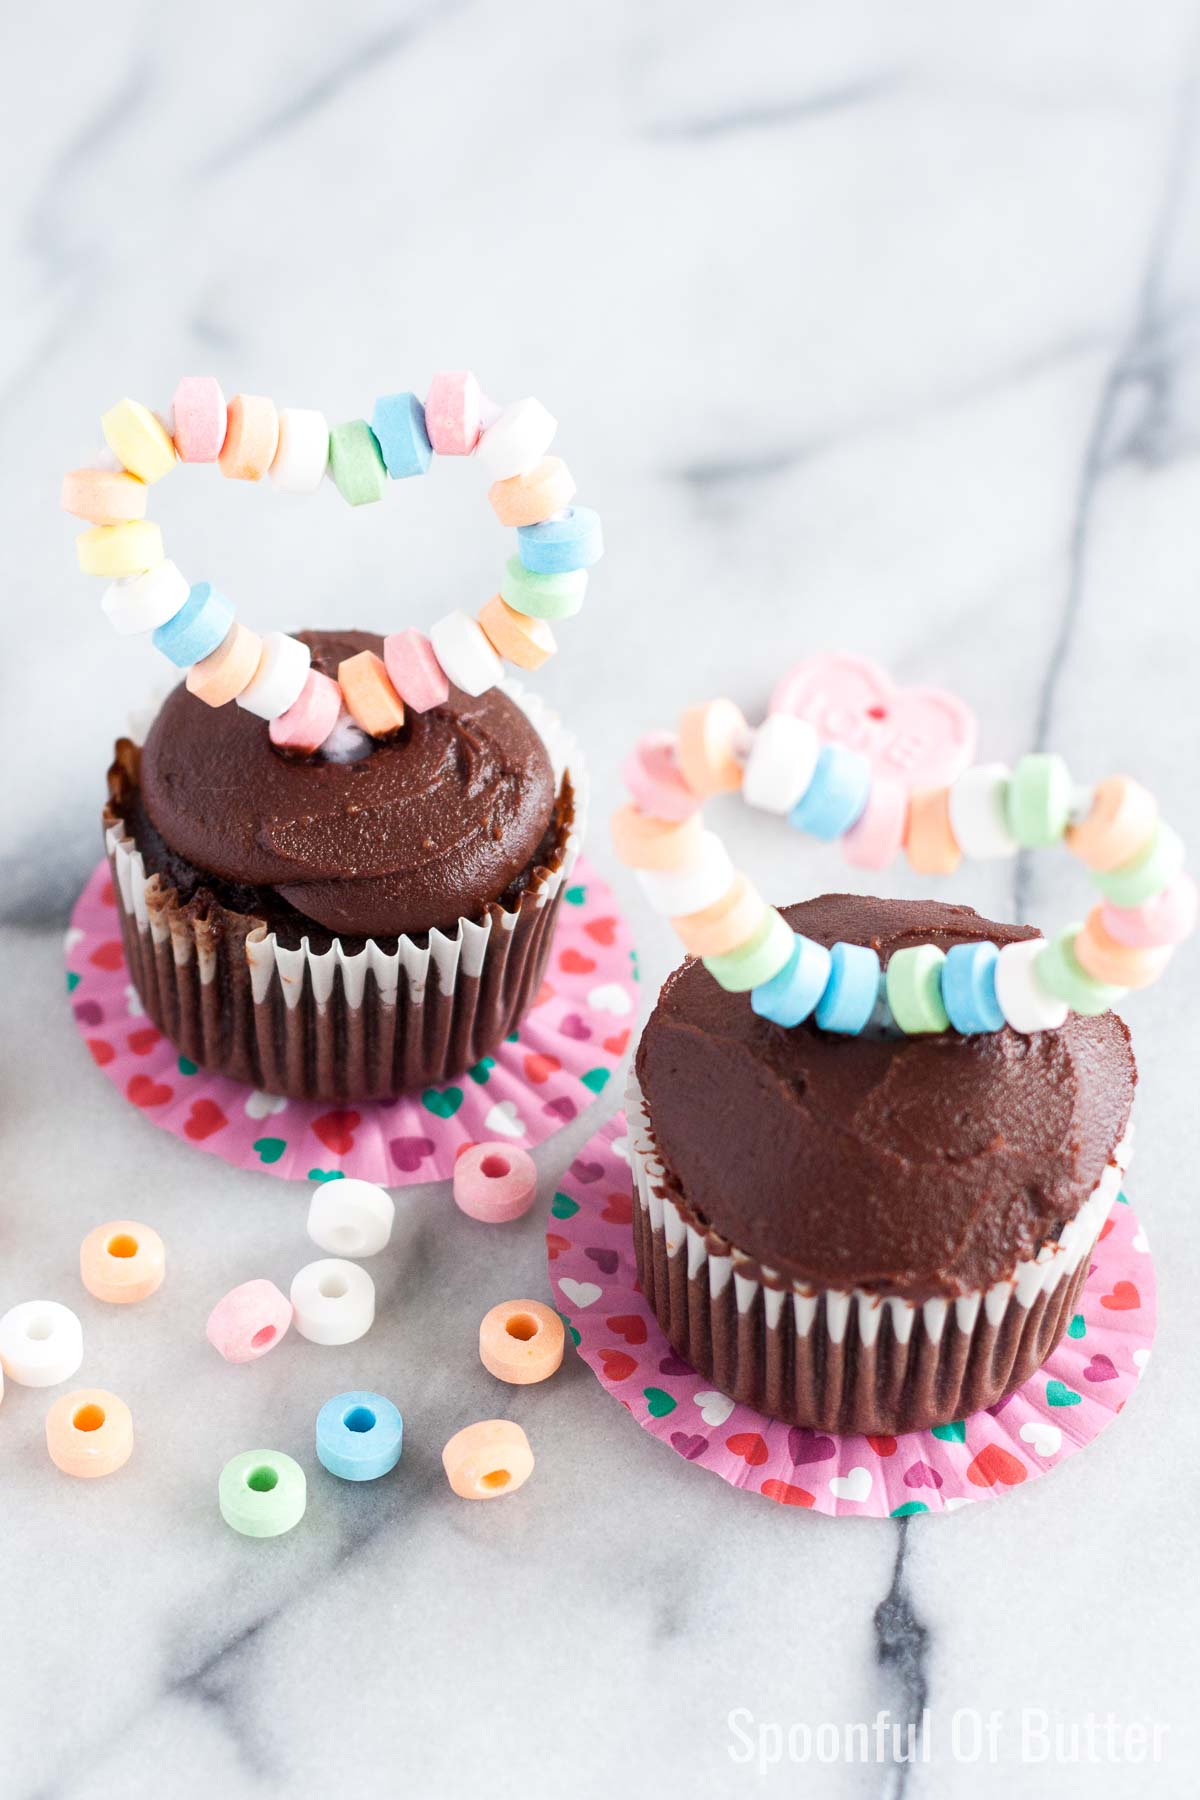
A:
[(867, 326)]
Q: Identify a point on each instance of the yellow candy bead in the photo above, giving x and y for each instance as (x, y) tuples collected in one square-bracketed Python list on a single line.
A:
[(138, 440), (116, 550)]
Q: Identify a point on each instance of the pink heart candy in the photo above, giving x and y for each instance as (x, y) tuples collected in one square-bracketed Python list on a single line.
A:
[(920, 737)]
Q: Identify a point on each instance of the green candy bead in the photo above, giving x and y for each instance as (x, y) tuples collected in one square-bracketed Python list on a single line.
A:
[(1038, 802), (356, 463), (914, 990), (542, 596), (758, 959), (1061, 974), (1147, 873), (262, 1493)]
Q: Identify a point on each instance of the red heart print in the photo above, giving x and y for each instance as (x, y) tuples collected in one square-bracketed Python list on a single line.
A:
[(107, 896), (544, 993), (616, 1045), (786, 1493), (882, 1446), (572, 963), (617, 1366), (204, 1118), (336, 1130), (143, 1040), (920, 1474), (144, 1091), (1106, 1228), (993, 1465), (108, 955), (629, 1327), (539, 1067), (555, 1245), (749, 1446), (1124, 1298), (604, 931), (618, 1209), (101, 1052)]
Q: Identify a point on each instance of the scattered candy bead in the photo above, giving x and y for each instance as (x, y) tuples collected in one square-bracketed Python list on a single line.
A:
[(1166, 918), (712, 737), (929, 838), (114, 550), (913, 981), (1027, 1005), (143, 602), (414, 670), (557, 546), (517, 441), (1039, 800), (301, 451), (652, 775), (103, 496), (521, 1341), (1119, 965), (1061, 973), (333, 1301), (781, 763), (1154, 867), (542, 596), (122, 1262), (969, 988), (356, 463), (535, 496), (523, 641), (979, 812), (791, 996), (309, 720), (279, 678), (359, 1435), (251, 438), (41, 1343), (465, 654), (494, 1182), (701, 882), (1119, 822), (728, 922), (248, 1321), (198, 628), (452, 409), (138, 440), (757, 960), (262, 1493), (837, 795), (484, 1461), (89, 1433), (879, 833), (199, 416), (350, 1217), (228, 670), (642, 841), (398, 421), (852, 990), (370, 698)]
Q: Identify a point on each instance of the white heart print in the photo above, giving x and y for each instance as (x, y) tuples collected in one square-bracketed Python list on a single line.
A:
[(1043, 1438), (505, 1119), (621, 1148), (854, 1485), (133, 1005), (580, 1293), (611, 998), (263, 1106), (71, 937), (714, 1408)]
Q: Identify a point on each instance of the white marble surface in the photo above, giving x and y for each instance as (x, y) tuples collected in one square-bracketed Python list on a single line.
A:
[(868, 325)]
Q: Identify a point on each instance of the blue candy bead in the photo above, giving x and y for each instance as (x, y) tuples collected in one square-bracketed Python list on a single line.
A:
[(837, 795), (199, 627), (558, 546), (398, 422), (359, 1436), (969, 988), (852, 990), (789, 997)]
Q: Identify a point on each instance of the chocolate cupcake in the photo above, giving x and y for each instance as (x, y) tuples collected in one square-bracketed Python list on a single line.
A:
[(352, 924), (876, 1233)]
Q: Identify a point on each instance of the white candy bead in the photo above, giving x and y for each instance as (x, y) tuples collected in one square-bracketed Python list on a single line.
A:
[(350, 1218), (144, 602), (978, 817), (703, 880), (41, 1343), (781, 763), (467, 658), (302, 452), (1023, 1000), (281, 673), (517, 441), (333, 1302)]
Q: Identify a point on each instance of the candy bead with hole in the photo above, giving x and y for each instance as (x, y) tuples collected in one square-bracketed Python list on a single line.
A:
[(1154, 867), (464, 653), (978, 809), (41, 1343), (712, 739), (757, 960), (913, 981), (1061, 973), (356, 463), (199, 627), (852, 990), (116, 550), (523, 641), (1105, 959), (301, 451), (251, 437), (89, 1433), (198, 416), (494, 1182), (517, 440), (1119, 821), (1027, 1005), (333, 1301), (878, 834), (350, 1217), (228, 670), (837, 795), (360, 1436), (452, 412), (103, 496), (1167, 917), (701, 882), (969, 988), (262, 1493), (536, 495), (398, 421), (542, 596), (521, 1341), (138, 440), (781, 763), (651, 773), (488, 1460), (642, 841), (571, 540), (791, 996), (309, 720), (248, 1321), (728, 922), (146, 601), (1038, 803), (279, 679), (370, 698), (122, 1262), (928, 836), (415, 672)]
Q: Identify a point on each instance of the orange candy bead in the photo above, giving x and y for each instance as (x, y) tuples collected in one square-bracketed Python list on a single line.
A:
[(89, 1433), (531, 498), (251, 437), (928, 838), (521, 1341), (728, 922), (642, 841), (1120, 822), (122, 1261), (370, 698), (1119, 965), (710, 736), (484, 1461), (520, 639), (228, 670)]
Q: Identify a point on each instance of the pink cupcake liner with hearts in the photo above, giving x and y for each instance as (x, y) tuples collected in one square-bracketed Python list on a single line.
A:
[(566, 1051), (1063, 1407)]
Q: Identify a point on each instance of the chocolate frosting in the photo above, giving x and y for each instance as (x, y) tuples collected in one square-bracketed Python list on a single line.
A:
[(918, 1166), (434, 824)]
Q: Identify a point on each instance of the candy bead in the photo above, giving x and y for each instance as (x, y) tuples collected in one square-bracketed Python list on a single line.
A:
[(914, 989), (1154, 867), (89, 1433), (359, 1435), (350, 1217), (301, 451), (542, 596), (642, 841), (757, 960), (1120, 965), (652, 775), (878, 834), (1038, 805), (699, 883), (1119, 822), (199, 627), (929, 839), (732, 920), (356, 463), (398, 421), (138, 440), (464, 653), (574, 540), (530, 498), (41, 1343), (333, 1301), (484, 1461), (280, 677), (494, 1182), (122, 1262), (1027, 1005), (791, 995), (114, 550), (370, 698), (781, 763), (517, 441), (521, 1341), (414, 670), (1060, 973), (262, 1493), (143, 602), (229, 669), (308, 721), (836, 796), (198, 415), (452, 409), (711, 738), (103, 496), (248, 1321), (852, 990), (979, 812), (969, 988), (1166, 918), (251, 438), (523, 641)]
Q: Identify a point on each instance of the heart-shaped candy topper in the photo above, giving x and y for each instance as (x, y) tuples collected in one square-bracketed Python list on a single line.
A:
[(920, 737)]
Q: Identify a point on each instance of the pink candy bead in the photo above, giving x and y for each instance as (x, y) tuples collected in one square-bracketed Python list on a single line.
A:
[(452, 412), (877, 836), (249, 1321), (652, 775), (494, 1182), (1168, 918), (200, 419), (309, 720), (416, 674)]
